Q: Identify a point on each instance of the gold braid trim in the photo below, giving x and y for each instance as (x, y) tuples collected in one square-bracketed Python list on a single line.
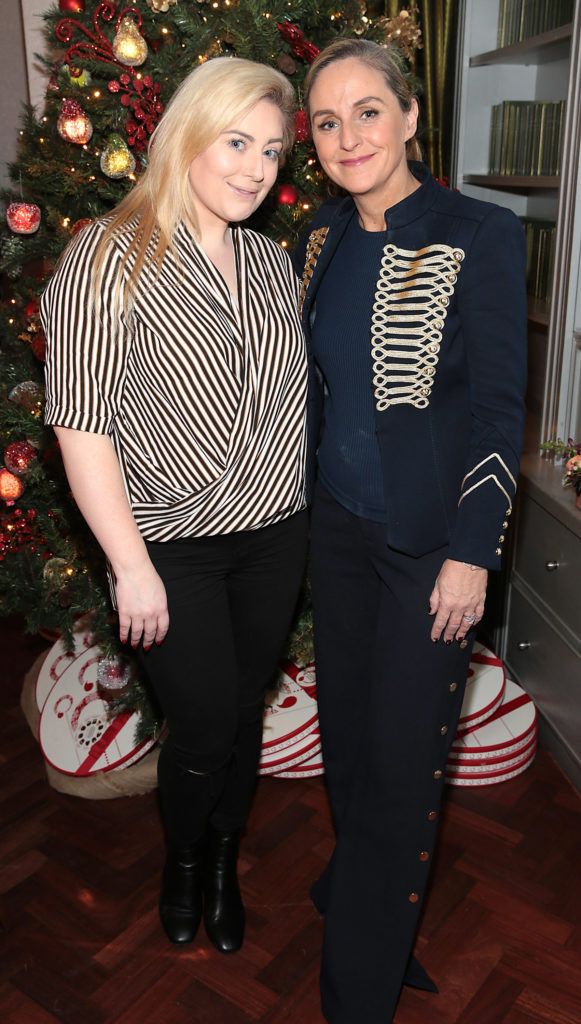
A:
[(314, 245), (411, 301)]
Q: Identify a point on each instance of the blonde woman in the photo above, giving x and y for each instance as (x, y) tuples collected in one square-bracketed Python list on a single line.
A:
[(176, 382)]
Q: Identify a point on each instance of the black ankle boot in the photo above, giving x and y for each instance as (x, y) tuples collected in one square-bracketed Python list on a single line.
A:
[(223, 909), (180, 903)]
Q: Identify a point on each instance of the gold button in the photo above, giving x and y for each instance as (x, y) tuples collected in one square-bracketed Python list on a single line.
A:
[(438, 325), (458, 255), (508, 512), (452, 278), (424, 855), (438, 773), (426, 391), (433, 348), (463, 644), (413, 897), (505, 525), (444, 730), (498, 551), (501, 538), (453, 687), (432, 815), (444, 300)]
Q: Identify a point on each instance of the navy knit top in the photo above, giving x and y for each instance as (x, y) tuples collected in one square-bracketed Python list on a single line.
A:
[(348, 456)]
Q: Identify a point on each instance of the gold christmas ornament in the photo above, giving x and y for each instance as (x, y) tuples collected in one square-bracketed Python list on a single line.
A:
[(117, 160), (129, 46), (403, 30), (160, 6), (54, 573)]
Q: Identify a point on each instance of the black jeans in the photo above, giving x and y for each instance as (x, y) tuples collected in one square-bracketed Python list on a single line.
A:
[(389, 702), (231, 600)]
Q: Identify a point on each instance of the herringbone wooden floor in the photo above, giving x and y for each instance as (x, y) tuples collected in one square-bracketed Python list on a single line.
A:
[(501, 932)]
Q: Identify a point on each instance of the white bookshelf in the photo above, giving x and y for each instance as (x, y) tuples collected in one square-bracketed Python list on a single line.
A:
[(534, 617)]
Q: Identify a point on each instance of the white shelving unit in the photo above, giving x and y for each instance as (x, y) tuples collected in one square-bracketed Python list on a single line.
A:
[(546, 68), (536, 621)]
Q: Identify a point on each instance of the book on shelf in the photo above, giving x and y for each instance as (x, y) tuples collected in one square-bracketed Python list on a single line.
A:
[(523, 19), (526, 137), (540, 238)]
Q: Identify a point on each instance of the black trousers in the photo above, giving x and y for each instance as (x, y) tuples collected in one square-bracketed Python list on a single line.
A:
[(389, 702), (231, 599)]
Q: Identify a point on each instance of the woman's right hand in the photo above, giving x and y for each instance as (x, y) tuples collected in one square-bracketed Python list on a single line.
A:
[(142, 606)]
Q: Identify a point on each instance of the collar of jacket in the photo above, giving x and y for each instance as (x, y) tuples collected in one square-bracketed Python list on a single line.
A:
[(338, 216)]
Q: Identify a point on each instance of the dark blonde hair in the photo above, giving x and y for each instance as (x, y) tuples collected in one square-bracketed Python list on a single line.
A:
[(208, 101), (387, 60)]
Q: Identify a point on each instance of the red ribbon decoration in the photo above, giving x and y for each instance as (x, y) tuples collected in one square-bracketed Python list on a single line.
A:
[(299, 44)]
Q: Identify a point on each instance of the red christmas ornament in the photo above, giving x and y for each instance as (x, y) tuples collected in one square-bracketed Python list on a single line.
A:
[(287, 195), (31, 308), (71, 6), (18, 456), (23, 218), (11, 487), (302, 126), (299, 44), (38, 345), (73, 124), (80, 224)]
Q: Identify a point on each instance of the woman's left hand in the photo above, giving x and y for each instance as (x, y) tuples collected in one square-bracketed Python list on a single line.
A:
[(457, 600)]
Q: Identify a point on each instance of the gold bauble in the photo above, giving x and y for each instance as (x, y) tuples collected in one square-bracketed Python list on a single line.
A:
[(117, 160), (160, 6), (129, 46)]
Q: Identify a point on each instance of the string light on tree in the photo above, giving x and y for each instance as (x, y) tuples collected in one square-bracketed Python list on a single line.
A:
[(117, 160), (73, 124), (23, 218), (129, 46)]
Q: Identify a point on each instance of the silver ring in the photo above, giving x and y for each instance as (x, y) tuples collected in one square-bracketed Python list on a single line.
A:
[(469, 618)]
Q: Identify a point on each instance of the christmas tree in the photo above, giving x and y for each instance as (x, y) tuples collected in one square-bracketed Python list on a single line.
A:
[(112, 69)]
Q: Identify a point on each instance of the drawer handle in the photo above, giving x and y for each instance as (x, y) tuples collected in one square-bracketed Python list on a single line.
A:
[(524, 645), (551, 566)]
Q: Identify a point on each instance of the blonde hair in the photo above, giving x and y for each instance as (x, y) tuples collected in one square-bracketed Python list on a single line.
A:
[(387, 60), (208, 101)]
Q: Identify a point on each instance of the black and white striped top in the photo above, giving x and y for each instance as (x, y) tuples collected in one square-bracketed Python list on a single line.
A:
[(205, 403)]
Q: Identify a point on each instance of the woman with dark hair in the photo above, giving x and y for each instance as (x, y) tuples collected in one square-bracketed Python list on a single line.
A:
[(414, 306), (176, 385)]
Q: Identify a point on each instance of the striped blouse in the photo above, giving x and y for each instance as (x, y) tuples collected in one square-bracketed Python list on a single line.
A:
[(204, 402)]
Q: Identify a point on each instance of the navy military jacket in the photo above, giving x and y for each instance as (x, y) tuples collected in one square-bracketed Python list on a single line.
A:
[(449, 345)]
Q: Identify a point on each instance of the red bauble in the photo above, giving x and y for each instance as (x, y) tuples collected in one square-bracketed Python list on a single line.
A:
[(71, 6), (18, 456), (287, 195), (302, 126), (23, 218), (38, 345), (80, 224), (11, 487), (73, 124), (31, 308)]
